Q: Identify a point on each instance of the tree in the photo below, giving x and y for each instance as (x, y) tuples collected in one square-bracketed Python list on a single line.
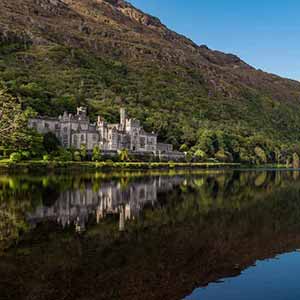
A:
[(223, 156), (50, 142), (260, 154), (295, 161), (83, 152), (184, 148), (15, 157), (200, 155), (14, 131), (96, 154), (12, 120), (207, 141)]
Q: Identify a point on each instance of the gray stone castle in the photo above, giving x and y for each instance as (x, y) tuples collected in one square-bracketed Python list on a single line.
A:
[(73, 131)]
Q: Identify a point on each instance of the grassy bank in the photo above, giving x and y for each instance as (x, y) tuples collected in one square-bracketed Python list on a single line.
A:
[(42, 165)]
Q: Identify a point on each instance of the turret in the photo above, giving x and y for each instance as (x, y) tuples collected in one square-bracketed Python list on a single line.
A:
[(123, 118), (65, 116), (100, 121), (82, 112)]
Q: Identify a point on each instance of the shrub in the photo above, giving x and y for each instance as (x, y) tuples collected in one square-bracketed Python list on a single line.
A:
[(261, 155), (123, 155), (83, 152), (189, 157), (46, 157), (15, 157), (25, 155), (184, 148), (64, 155), (96, 154), (171, 164), (223, 156), (200, 155), (76, 156)]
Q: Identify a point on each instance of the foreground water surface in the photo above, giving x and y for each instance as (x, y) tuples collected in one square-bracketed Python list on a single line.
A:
[(194, 235)]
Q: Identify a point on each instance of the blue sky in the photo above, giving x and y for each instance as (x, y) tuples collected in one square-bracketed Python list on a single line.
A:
[(264, 33)]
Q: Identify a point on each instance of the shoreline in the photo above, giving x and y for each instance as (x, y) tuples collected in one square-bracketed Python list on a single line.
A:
[(59, 165), (42, 166)]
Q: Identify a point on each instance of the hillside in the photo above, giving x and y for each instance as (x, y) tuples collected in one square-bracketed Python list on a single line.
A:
[(56, 54)]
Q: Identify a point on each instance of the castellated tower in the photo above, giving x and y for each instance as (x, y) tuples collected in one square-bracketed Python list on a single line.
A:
[(123, 118), (82, 112)]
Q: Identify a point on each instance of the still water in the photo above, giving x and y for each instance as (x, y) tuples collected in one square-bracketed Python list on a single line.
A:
[(194, 235)]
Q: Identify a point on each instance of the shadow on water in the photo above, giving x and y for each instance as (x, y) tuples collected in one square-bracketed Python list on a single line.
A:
[(140, 235)]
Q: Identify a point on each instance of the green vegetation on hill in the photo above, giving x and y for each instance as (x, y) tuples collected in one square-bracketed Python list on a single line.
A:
[(56, 55), (173, 103)]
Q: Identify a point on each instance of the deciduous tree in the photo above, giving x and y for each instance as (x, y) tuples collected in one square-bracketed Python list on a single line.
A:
[(15, 134)]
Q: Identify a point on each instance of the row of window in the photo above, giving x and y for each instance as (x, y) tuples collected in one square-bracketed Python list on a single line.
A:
[(82, 138), (47, 126), (150, 141)]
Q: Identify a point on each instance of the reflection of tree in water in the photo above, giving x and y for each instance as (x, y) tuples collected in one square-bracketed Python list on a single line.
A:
[(200, 193), (233, 190), (18, 196), (15, 200), (49, 196), (213, 225), (217, 242)]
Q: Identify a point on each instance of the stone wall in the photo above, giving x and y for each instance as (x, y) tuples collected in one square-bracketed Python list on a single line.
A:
[(164, 147), (172, 156)]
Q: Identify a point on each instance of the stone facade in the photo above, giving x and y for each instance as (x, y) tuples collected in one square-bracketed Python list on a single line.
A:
[(76, 130)]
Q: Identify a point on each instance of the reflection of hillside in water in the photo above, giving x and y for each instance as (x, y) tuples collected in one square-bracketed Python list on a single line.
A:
[(79, 198), (204, 226), (77, 206)]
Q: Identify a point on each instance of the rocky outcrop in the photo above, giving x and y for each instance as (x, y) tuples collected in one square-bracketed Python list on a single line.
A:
[(10, 37), (51, 7)]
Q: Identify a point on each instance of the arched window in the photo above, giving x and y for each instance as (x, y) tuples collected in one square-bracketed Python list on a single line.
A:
[(75, 140)]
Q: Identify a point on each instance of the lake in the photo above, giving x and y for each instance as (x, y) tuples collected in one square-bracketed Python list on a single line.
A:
[(155, 235)]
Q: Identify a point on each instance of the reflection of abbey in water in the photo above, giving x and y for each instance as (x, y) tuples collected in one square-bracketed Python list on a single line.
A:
[(76, 206)]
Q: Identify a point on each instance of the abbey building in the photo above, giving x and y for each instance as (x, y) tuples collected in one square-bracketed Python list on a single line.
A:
[(76, 130)]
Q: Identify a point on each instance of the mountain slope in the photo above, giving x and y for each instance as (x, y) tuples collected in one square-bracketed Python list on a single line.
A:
[(56, 54)]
